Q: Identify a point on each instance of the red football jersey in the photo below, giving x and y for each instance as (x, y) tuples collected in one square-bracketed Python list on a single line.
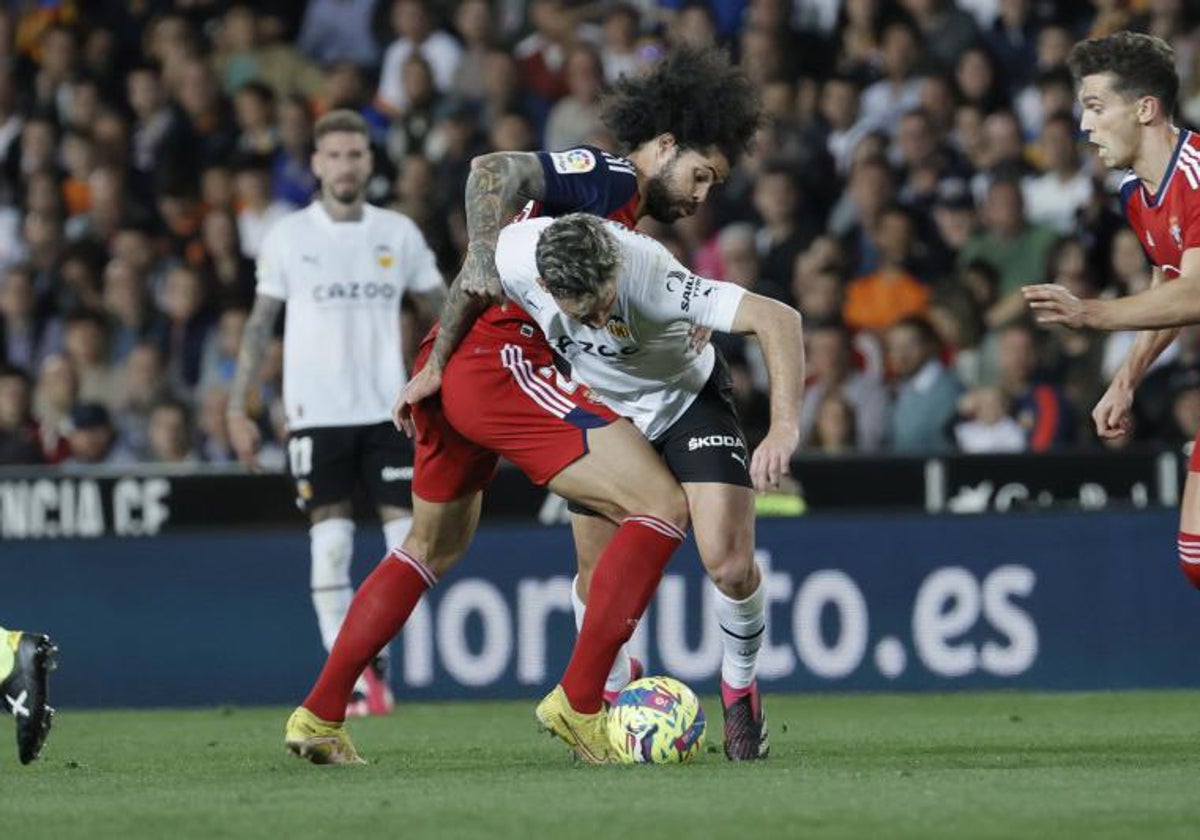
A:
[(1168, 222)]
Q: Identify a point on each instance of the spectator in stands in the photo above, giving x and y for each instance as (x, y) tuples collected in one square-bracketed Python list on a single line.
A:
[(160, 136), (142, 385), (877, 300), (339, 30), (19, 444), (945, 30), (857, 213), (291, 176), (415, 35), (1008, 243), (54, 398), (93, 440), (26, 337), (926, 393), (841, 119), (209, 120), (417, 197), (542, 57), (214, 446), (575, 118), (738, 252), (835, 429), (127, 305), (1041, 409), (183, 328), (831, 370), (898, 91), (977, 80), (1185, 407), (411, 129), (985, 424), (246, 50), (1043, 96), (85, 341), (619, 41), (221, 347), (259, 209), (1012, 39), (1003, 153), (1056, 197), (254, 114), (228, 273), (171, 434), (786, 230), (476, 27)]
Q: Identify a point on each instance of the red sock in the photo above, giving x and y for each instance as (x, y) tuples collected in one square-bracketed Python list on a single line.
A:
[(1189, 556), (623, 583), (379, 609)]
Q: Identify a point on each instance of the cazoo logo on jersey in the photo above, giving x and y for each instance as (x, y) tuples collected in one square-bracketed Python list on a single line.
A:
[(352, 290)]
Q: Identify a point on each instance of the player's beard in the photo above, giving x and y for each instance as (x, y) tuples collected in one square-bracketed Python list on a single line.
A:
[(662, 203), (346, 191)]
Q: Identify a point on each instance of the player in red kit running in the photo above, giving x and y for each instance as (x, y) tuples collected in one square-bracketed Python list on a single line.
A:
[(500, 396), (1128, 88)]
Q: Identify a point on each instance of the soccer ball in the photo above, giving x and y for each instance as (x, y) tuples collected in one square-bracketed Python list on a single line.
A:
[(656, 720)]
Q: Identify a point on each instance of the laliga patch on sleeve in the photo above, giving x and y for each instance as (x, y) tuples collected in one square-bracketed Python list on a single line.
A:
[(573, 162)]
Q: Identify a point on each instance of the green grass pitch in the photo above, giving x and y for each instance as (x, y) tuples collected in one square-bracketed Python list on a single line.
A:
[(882, 766)]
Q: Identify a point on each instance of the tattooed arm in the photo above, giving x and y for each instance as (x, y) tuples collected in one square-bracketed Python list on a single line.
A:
[(500, 184), (243, 432)]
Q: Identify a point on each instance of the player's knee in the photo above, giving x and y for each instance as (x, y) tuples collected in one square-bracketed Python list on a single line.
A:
[(734, 572), (671, 506), (1189, 557)]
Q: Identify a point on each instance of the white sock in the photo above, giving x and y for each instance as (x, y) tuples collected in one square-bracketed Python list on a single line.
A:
[(332, 543), (618, 676), (742, 624), (395, 532)]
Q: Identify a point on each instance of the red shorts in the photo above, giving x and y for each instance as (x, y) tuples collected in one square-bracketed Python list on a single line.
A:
[(499, 398), (1194, 461)]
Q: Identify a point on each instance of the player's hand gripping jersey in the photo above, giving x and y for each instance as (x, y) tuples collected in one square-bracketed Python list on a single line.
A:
[(641, 363)]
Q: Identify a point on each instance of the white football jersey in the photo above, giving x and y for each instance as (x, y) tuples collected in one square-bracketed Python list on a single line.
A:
[(343, 282), (639, 364)]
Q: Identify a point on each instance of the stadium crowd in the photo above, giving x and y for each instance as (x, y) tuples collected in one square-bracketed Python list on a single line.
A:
[(919, 163)]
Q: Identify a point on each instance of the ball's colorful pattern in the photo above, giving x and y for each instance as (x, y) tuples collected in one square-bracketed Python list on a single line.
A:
[(656, 720)]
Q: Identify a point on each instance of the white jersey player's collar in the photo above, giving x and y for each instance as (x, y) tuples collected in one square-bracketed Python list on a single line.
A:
[(317, 210)]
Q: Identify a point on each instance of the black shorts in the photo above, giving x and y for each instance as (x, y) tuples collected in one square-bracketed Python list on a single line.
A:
[(328, 461), (706, 444)]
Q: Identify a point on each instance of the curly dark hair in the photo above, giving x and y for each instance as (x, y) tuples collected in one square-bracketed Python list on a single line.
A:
[(694, 94), (1142, 64)]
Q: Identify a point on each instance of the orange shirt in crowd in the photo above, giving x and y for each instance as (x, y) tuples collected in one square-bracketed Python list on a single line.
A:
[(876, 301)]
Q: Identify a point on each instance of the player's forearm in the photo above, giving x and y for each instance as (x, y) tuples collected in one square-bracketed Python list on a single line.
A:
[(1172, 304), (255, 338), (459, 313), (782, 341), (1147, 347), (429, 305)]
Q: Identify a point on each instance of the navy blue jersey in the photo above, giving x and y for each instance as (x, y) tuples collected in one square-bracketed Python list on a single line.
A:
[(586, 180)]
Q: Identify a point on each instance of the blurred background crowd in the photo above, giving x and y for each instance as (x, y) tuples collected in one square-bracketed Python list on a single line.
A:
[(919, 163)]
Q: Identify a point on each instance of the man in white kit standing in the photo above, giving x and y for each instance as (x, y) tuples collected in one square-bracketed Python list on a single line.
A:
[(342, 267)]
